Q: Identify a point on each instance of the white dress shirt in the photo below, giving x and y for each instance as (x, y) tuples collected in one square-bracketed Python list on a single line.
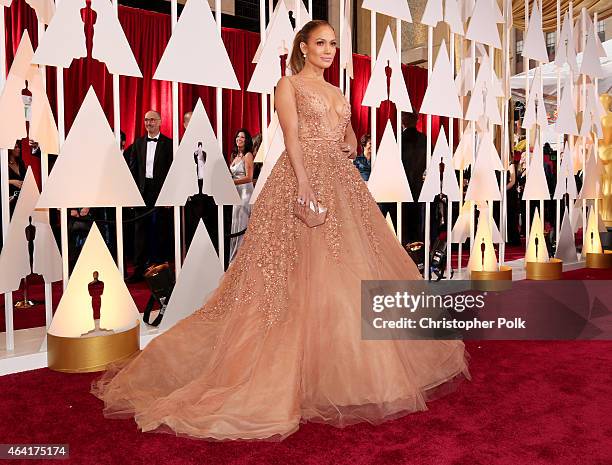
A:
[(151, 146)]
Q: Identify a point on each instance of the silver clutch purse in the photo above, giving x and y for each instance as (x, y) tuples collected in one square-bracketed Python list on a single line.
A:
[(309, 214)]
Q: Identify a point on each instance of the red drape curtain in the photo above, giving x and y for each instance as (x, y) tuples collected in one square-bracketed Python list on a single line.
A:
[(148, 33), (240, 108)]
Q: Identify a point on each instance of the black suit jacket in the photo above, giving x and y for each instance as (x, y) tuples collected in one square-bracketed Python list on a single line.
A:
[(414, 154), (136, 157)]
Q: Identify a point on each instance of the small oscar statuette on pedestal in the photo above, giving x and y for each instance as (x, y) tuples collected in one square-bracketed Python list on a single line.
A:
[(30, 234), (96, 289)]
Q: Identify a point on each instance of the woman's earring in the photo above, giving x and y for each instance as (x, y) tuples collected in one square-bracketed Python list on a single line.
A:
[(304, 56)]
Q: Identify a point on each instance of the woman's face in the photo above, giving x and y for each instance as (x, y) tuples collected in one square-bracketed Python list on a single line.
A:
[(240, 139), (320, 49), (16, 152), (368, 148)]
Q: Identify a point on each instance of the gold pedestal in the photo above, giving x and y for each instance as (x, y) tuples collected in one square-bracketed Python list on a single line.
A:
[(599, 260), (545, 271), (90, 353), (500, 280)]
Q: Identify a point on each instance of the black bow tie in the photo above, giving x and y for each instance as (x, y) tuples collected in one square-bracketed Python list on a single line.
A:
[(152, 139)]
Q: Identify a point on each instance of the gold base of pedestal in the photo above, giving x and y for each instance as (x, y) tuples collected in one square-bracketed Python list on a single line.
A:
[(89, 354), (500, 280), (599, 260), (545, 271)]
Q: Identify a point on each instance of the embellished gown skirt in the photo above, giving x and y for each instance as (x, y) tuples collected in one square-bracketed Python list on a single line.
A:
[(279, 341)]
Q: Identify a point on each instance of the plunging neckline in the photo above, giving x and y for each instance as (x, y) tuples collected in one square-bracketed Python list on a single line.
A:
[(339, 116), (235, 164)]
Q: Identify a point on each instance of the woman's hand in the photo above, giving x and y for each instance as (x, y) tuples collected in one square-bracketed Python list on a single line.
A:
[(348, 150), (306, 195), (16, 183)]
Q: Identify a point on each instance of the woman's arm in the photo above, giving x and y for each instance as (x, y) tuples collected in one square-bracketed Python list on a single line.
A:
[(350, 141), (512, 179), (249, 167), (286, 107)]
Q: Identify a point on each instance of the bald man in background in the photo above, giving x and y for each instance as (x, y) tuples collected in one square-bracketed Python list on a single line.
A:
[(149, 158)]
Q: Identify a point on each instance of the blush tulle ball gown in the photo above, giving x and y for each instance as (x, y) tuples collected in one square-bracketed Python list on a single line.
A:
[(279, 341)]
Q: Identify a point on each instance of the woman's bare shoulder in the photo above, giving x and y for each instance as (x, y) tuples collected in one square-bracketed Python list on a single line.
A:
[(285, 88), (285, 82)]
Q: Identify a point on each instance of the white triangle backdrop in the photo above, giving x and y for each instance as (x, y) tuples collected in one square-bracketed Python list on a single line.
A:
[(181, 62), (90, 151)]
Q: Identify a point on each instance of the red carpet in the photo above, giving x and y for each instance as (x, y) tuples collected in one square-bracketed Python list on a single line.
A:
[(587, 273), (529, 403)]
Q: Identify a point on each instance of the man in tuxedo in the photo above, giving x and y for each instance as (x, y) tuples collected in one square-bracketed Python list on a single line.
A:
[(149, 158), (414, 153)]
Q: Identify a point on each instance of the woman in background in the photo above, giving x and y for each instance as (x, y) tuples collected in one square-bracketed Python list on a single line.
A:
[(257, 169), (242, 172), (363, 161), (16, 174)]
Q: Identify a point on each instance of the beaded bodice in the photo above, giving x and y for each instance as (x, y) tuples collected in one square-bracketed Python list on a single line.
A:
[(315, 120), (275, 238)]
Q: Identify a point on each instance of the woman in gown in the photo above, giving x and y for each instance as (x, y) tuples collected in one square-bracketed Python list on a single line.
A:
[(16, 174), (279, 341), (241, 168)]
